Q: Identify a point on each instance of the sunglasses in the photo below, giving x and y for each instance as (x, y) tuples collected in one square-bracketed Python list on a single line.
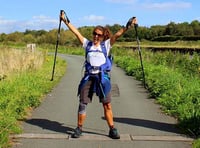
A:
[(100, 35)]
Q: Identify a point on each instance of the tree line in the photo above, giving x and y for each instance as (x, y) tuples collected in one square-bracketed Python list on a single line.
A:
[(170, 32)]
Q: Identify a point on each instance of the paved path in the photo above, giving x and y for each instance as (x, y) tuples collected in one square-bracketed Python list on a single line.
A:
[(138, 119)]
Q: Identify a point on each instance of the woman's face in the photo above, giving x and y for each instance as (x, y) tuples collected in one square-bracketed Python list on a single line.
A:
[(97, 36)]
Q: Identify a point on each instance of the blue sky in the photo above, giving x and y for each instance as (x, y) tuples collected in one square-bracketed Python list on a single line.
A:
[(19, 15)]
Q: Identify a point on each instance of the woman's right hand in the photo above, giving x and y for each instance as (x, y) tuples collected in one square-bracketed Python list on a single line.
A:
[(63, 17)]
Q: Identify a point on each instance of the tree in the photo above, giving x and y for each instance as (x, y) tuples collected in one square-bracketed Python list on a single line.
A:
[(196, 27), (28, 38), (15, 37), (2, 37), (158, 30), (170, 29), (184, 29)]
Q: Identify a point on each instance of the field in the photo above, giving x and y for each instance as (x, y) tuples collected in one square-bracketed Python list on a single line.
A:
[(161, 46), (15, 60), (172, 79)]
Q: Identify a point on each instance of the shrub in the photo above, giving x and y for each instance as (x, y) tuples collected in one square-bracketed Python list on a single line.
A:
[(177, 92)]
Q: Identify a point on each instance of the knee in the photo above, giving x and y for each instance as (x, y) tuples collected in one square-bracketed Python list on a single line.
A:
[(82, 108), (107, 106)]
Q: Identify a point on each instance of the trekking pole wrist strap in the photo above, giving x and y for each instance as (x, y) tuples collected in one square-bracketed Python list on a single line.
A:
[(66, 21)]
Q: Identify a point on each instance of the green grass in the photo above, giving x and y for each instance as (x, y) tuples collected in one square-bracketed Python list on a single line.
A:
[(196, 144), (173, 80), (161, 44), (23, 91)]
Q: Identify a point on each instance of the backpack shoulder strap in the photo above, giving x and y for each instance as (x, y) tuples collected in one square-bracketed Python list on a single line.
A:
[(89, 44), (103, 47), (110, 56)]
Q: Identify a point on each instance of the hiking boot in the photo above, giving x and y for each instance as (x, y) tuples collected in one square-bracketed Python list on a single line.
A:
[(114, 134), (77, 133)]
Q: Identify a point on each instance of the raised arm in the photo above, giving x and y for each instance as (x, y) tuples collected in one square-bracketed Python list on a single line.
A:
[(131, 21), (71, 27)]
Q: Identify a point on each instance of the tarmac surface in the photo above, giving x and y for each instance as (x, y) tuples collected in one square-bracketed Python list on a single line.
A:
[(139, 120)]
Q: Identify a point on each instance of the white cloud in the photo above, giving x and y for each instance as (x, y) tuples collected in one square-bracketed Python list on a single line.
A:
[(44, 19), (167, 5), (122, 1), (6, 25), (42, 22), (93, 18), (6, 22), (36, 23)]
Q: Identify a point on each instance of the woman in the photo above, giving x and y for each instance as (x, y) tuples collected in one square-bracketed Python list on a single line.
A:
[(97, 67)]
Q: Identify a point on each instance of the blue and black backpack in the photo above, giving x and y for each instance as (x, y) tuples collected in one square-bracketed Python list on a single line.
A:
[(103, 77), (106, 67)]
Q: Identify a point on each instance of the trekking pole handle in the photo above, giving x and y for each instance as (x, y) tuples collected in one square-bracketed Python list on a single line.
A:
[(66, 18), (62, 11)]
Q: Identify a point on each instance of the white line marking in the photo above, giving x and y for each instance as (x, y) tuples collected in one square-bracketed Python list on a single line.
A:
[(161, 138), (86, 136), (40, 136)]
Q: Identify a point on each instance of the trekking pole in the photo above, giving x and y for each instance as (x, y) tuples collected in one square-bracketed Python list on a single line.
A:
[(140, 54), (58, 37)]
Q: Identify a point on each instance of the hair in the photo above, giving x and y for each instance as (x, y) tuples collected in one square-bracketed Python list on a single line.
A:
[(105, 30), (107, 33), (99, 28)]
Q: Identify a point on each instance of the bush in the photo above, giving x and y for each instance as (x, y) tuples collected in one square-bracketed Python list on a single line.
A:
[(177, 92)]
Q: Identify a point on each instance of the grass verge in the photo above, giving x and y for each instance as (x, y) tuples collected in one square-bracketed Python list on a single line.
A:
[(23, 91), (177, 90)]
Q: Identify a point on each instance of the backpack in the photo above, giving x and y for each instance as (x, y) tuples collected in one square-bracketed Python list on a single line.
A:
[(106, 67)]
